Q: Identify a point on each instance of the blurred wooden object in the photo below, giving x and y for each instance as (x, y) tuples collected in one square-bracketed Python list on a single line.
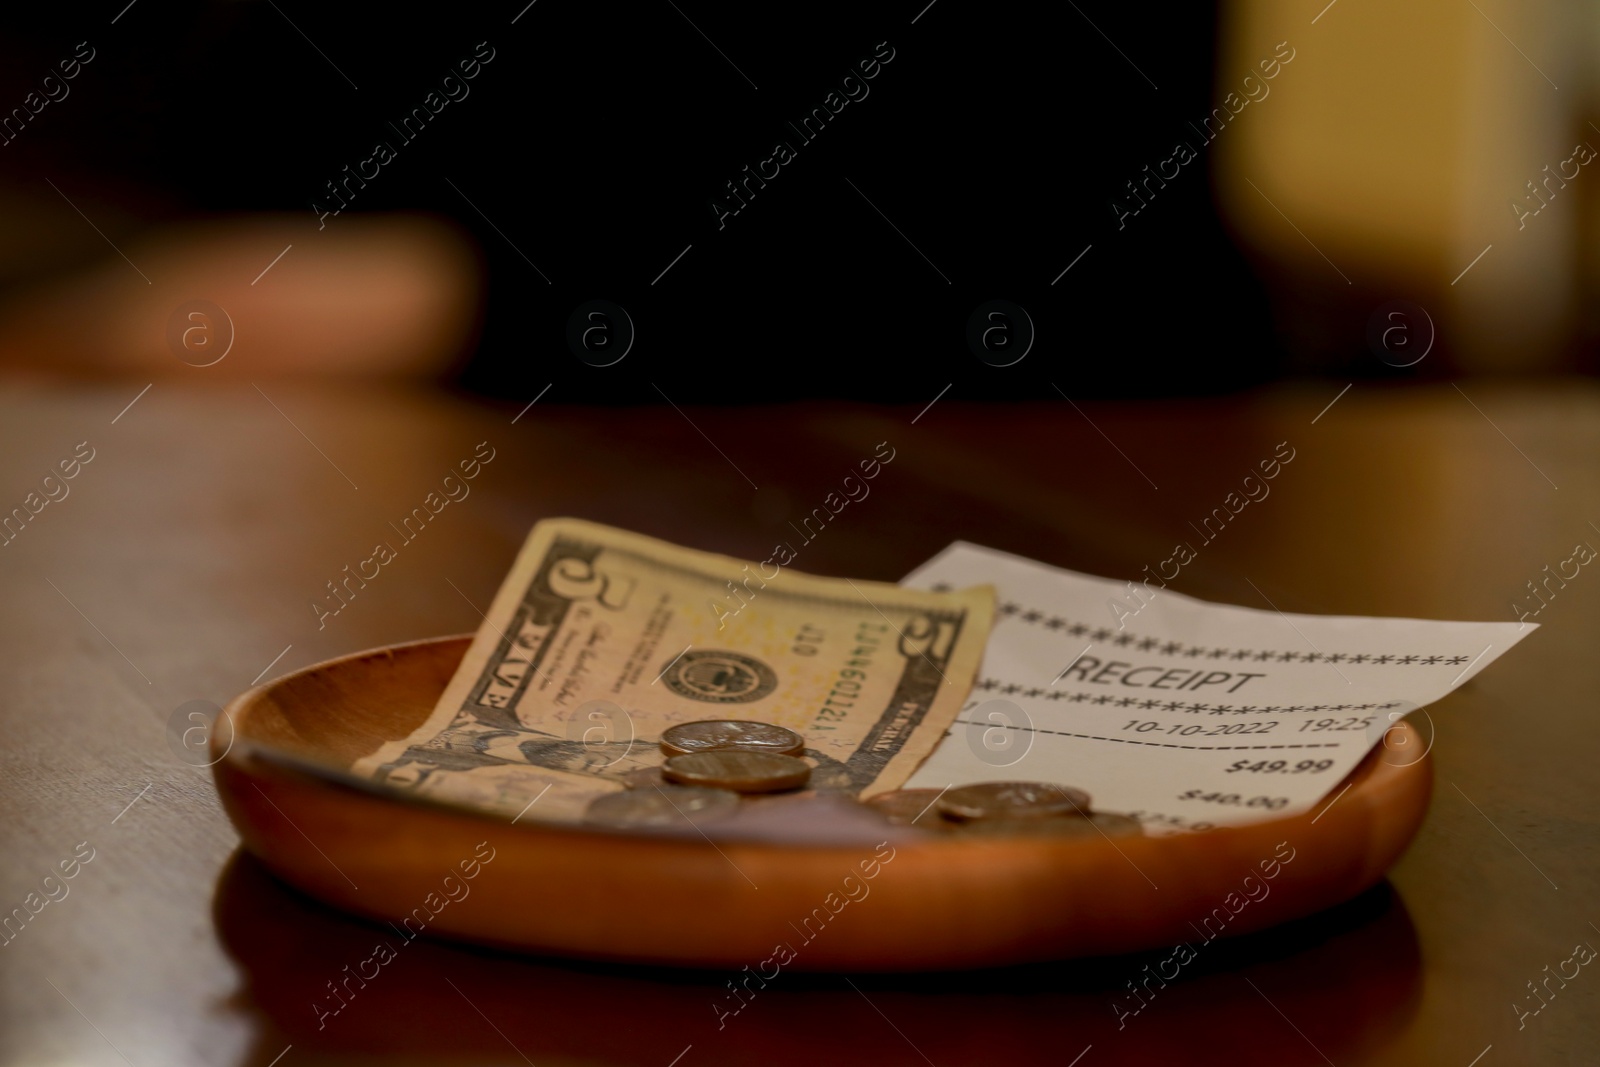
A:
[(383, 295), (1385, 160)]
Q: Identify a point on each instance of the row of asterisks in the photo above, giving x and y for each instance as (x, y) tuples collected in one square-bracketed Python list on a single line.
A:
[(1103, 635), (1148, 704)]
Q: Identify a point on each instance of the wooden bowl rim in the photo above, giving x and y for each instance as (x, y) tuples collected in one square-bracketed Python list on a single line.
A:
[(566, 883), (1372, 772)]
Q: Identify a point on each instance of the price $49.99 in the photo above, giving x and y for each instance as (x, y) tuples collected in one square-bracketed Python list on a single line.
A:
[(1278, 766)]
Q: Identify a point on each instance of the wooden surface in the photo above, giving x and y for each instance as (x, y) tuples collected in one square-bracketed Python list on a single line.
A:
[(190, 548)]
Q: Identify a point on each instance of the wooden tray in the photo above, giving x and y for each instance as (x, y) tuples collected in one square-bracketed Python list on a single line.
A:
[(691, 900)]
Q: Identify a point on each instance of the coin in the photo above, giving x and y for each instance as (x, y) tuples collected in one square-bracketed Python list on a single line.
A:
[(909, 807), (1094, 825), (738, 769), (642, 778), (709, 734), (1013, 800), (668, 806)]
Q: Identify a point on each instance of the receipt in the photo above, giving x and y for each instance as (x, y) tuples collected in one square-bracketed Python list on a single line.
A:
[(1182, 713)]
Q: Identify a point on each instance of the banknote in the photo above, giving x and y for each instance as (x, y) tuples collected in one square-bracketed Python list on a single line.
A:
[(600, 639)]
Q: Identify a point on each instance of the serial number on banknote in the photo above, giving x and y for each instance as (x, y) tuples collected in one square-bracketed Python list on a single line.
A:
[(850, 678)]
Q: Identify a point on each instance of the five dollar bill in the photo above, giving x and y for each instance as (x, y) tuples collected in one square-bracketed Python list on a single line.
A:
[(600, 639)]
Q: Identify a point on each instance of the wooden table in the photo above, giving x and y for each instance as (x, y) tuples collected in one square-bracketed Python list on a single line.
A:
[(183, 562)]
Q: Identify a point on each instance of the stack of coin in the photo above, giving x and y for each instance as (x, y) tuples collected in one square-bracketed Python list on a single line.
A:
[(739, 770), (712, 765), (745, 757), (709, 766)]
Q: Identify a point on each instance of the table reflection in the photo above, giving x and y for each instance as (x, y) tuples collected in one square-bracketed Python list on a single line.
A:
[(1335, 985)]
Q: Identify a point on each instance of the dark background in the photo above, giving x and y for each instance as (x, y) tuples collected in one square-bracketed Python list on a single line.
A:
[(598, 136)]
